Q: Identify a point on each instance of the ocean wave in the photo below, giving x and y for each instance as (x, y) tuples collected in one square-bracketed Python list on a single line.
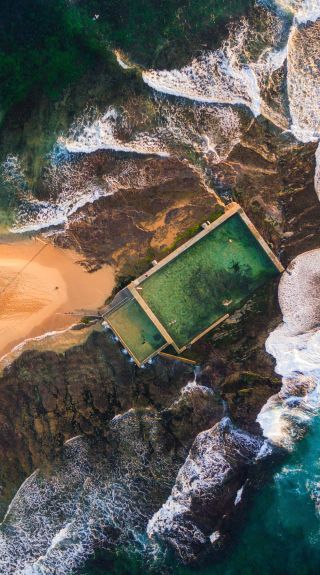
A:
[(295, 345), (303, 10), (35, 215), (101, 135), (226, 75), (216, 77), (72, 178)]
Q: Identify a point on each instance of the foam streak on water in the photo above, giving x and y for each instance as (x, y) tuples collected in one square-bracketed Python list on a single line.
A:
[(101, 135), (215, 77)]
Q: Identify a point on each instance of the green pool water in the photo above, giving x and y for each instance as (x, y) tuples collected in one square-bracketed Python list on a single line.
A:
[(136, 330), (211, 278)]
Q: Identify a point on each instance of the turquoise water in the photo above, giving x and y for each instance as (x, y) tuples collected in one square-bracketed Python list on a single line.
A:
[(280, 532)]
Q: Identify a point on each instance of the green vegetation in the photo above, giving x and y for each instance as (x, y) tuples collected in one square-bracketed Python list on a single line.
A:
[(193, 230)]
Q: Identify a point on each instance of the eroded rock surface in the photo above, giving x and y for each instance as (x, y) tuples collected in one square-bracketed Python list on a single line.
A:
[(205, 487)]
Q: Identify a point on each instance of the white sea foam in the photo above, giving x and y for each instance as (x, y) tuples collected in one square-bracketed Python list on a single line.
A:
[(216, 77), (210, 131), (303, 82), (101, 135), (295, 345), (239, 495), (35, 215), (215, 536), (12, 171), (303, 10), (222, 76)]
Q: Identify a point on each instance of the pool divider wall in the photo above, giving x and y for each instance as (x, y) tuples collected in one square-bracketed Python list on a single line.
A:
[(152, 316), (260, 239), (230, 210), (205, 331), (125, 345)]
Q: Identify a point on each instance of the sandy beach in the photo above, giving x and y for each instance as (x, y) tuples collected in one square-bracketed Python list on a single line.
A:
[(43, 288)]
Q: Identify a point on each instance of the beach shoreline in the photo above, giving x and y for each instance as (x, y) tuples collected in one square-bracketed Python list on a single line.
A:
[(43, 289)]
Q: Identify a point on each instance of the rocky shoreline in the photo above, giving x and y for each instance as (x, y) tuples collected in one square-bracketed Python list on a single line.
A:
[(165, 434), (47, 398)]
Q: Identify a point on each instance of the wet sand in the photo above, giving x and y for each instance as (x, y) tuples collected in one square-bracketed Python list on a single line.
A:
[(44, 289)]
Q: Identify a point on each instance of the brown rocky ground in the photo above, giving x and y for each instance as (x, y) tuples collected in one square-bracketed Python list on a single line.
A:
[(47, 398), (156, 200)]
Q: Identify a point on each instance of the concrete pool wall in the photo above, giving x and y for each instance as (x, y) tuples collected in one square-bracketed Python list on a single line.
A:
[(185, 294)]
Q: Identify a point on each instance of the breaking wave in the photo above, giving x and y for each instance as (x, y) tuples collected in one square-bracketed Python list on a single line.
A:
[(101, 135), (33, 214), (206, 129), (221, 76), (87, 499), (303, 10), (295, 345), (72, 173)]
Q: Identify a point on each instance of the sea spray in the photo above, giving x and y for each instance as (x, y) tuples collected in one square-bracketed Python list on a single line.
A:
[(303, 10), (296, 347)]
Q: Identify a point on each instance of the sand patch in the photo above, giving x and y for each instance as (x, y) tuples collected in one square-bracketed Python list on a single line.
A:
[(43, 289)]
